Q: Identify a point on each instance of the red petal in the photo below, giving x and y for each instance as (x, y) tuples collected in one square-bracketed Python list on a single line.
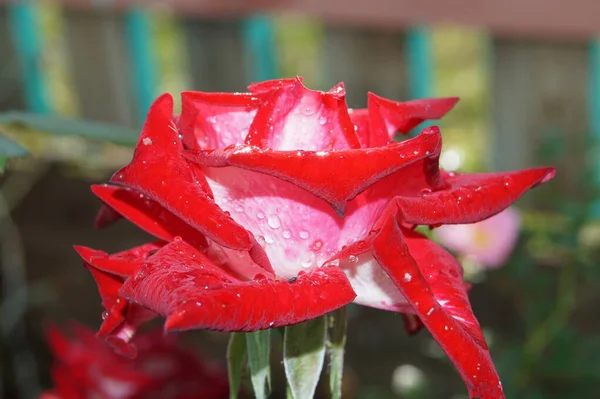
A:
[(360, 118), (470, 197), (120, 318), (335, 176), (390, 117), (148, 214), (215, 120), (106, 216), (412, 323), (183, 285), (293, 117), (471, 359), (158, 171)]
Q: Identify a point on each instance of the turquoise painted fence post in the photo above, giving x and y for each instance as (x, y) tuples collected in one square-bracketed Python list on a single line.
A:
[(594, 122), (419, 65), (142, 60), (25, 35), (259, 42)]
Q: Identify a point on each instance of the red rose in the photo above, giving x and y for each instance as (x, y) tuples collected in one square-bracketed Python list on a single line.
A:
[(85, 367), (279, 205)]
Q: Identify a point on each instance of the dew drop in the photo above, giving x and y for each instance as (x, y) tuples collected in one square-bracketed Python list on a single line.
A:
[(407, 277), (317, 245), (425, 191), (239, 209), (273, 221), (104, 315), (353, 259), (322, 120), (269, 239), (304, 234), (147, 141), (198, 303), (307, 111), (259, 277), (260, 215), (177, 239), (287, 234)]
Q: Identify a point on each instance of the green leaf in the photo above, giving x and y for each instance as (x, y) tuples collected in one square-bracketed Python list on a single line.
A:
[(337, 322), (69, 127), (259, 348), (9, 149), (303, 356), (236, 357)]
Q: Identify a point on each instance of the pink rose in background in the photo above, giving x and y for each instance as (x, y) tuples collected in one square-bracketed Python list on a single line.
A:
[(489, 242)]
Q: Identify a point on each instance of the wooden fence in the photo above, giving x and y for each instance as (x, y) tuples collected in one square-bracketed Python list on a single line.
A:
[(536, 67)]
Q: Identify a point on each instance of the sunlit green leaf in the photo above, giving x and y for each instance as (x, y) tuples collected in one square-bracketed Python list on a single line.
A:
[(236, 358), (9, 149), (12, 121), (259, 349), (303, 356)]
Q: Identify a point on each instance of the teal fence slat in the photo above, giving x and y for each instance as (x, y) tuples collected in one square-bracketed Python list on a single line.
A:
[(142, 60), (259, 41), (419, 65), (594, 122), (26, 38)]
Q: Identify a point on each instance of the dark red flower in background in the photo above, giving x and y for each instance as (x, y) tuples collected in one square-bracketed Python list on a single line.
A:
[(85, 367), (279, 205)]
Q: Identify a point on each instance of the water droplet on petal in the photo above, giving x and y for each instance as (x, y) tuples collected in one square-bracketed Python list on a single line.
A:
[(287, 234), (269, 239), (260, 215), (304, 234), (317, 245), (353, 259), (259, 277), (177, 239), (273, 221), (307, 111), (322, 120), (104, 315)]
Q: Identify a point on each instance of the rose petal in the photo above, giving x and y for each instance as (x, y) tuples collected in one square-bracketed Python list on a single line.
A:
[(471, 359), (216, 120), (106, 216), (335, 176), (120, 319), (387, 117), (412, 323), (293, 117), (183, 285), (147, 214), (470, 197), (159, 172)]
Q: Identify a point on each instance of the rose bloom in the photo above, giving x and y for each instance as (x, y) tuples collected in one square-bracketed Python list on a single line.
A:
[(489, 243), (85, 367), (279, 205)]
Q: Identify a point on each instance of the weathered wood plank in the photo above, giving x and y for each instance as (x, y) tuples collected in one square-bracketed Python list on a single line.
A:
[(365, 60), (216, 55), (11, 89), (100, 66), (540, 108), (539, 18)]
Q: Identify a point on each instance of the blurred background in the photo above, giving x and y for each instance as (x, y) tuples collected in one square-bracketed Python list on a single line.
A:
[(527, 72)]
